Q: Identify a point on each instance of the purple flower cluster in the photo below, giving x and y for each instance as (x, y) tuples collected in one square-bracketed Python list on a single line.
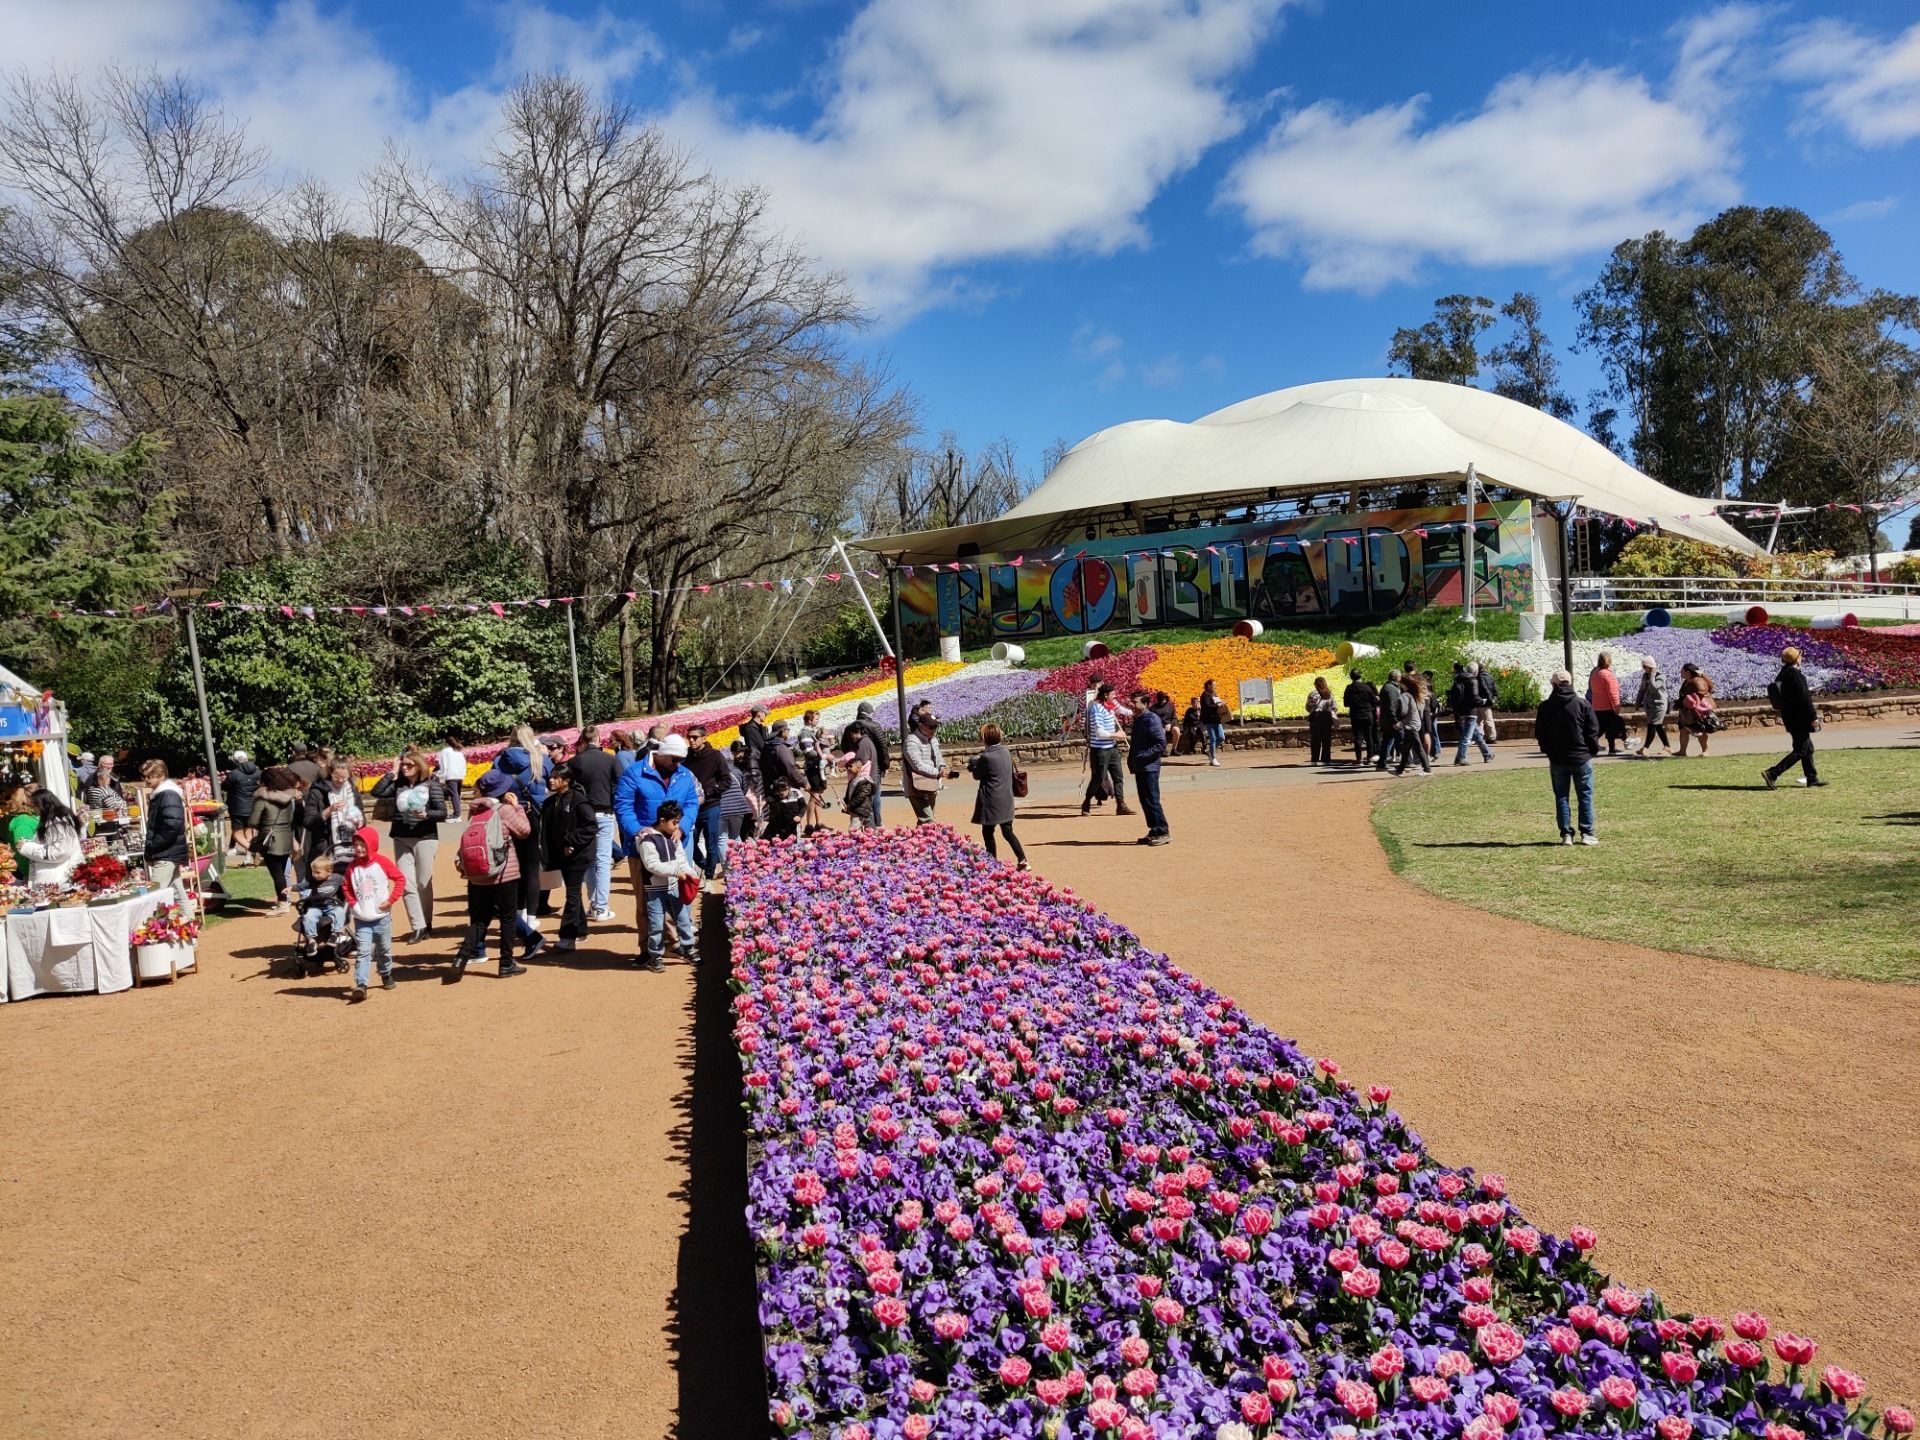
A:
[(1011, 1175), (1738, 673), (1841, 670), (976, 694)]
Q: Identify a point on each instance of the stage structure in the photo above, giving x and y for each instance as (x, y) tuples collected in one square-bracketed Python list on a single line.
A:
[(1345, 497)]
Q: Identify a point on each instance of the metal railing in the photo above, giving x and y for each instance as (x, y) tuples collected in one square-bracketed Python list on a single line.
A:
[(1709, 592)]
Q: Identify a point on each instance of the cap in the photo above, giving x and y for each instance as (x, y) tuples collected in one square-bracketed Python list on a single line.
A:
[(552, 742), (674, 747), (494, 784), (238, 756), (865, 712), (86, 755)]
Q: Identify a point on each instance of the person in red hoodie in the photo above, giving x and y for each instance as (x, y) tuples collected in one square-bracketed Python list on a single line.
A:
[(374, 886)]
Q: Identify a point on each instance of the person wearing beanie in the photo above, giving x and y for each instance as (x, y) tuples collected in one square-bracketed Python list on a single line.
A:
[(488, 858)]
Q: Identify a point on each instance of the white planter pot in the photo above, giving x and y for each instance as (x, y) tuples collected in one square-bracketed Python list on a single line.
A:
[(162, 962)]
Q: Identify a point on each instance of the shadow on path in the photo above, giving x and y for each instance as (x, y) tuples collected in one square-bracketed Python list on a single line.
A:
[(715, 1320), (1484, 844)]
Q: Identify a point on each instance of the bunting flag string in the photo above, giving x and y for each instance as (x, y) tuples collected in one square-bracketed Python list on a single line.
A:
[(787, 584)]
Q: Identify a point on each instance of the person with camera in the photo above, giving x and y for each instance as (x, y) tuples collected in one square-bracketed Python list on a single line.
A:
[(926, 766)]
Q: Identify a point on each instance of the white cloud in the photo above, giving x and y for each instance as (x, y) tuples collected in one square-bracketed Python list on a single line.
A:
[(956, 130), (1862, 84), (1550, 166), (1875, 209)]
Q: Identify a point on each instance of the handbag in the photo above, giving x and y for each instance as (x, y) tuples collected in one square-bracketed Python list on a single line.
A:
[(1019, 784), (689, 889)]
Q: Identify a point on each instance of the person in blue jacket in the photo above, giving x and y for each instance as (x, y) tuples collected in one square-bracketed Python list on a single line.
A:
[(524, 763), (648, 781)]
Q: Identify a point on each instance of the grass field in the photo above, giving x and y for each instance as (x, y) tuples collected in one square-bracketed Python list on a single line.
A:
[(1694, 856)]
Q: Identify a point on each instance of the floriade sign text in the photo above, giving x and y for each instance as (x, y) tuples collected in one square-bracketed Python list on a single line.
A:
[(1013, 1175)]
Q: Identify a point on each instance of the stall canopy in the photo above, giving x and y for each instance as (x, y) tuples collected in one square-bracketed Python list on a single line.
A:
[(24, 717), (1329, 436)]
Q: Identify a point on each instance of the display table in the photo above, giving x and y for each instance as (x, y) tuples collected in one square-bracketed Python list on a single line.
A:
[(75, 949)]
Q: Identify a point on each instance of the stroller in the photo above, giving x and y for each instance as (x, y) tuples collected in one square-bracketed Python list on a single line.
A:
[(313, 955)]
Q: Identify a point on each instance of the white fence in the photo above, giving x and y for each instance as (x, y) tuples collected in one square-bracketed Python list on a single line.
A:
[(1782, 597)]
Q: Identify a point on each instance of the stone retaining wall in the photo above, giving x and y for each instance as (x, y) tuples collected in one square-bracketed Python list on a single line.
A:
[(1292, 734)]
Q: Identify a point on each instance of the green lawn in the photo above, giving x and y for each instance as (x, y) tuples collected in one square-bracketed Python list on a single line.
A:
[(249, 890), (1694, 856)]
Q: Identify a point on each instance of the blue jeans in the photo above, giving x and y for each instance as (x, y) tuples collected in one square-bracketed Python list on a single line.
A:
[(1147, 783), (372, 936), (1470, 735), (660, 905), (712, 836), (310, 920), (1580, 779), (1216, 737), (606, 834)]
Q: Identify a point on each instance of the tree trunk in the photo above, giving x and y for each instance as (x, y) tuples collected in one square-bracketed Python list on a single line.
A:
[(1872, 518), (628, 703), (662, 664)]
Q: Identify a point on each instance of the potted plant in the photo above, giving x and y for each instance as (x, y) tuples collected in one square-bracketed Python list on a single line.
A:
[(102, 872), (163, 946)]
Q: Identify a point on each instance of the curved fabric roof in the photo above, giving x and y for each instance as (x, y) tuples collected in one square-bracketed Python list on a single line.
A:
[(1328, 436)]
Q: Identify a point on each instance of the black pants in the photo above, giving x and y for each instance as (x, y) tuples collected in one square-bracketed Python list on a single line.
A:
[(1320, 738), (1389, 742), (575, 874), (486, 904), (1413, 746), (277, 871), (527, 847), (1362, 736), (1107, 778), (1653, 730), (1802, 751), (986, 838), (1147, 782)]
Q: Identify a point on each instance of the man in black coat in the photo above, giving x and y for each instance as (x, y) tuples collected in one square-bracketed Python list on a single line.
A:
[(1568, 733), (1362, 702), (593, 774), (863, 726), (242, 783), (1145, 746), (1792, 697), (755, 733)]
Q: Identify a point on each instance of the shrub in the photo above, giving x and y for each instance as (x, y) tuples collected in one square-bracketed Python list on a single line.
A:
[(1516, 690), (1662, 555)]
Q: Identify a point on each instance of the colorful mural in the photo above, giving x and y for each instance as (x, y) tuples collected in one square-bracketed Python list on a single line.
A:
[(1322, 565)]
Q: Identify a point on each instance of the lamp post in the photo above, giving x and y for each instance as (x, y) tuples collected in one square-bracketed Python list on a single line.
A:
[(1564, 516)]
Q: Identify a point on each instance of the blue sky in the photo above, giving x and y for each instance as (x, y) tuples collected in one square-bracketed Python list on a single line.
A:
[(1067, 213)]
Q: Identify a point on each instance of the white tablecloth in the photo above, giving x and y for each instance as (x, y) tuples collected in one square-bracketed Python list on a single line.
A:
[(75, 949)]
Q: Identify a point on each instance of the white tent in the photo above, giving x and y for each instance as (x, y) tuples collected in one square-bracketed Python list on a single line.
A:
[(1328, 436), (55, 772)]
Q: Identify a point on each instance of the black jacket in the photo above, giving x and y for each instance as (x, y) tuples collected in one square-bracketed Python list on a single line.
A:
[(710, 767), (1566, 728), (1793, 698), (243, 783), (569, 826), (313, 815), (1486, 687), (594, 773), (777, 760), (755, 734), (415, 827), (1463, 697), (850, 740), (1361, 698), (1146, 743), (166, 827)]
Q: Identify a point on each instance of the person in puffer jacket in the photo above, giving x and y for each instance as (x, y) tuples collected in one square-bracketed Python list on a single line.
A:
[(373, 887), (1568, 733)]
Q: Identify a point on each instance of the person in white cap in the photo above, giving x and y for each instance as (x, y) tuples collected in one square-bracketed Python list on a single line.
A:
[(649, 782), (83, 772), (242, 784)]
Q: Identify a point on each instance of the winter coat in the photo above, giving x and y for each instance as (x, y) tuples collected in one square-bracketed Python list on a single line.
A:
[(167, 824), (1652, 697), (1603, 689), (778, 760), (641, 792), (755, 734), (1792, 697), (595, 773), (993, 768), (1146, 743), (517, 766), (54, 854), (1361, 698), (315, 825), (1463, 696), (514, 824), (424, 826), (1213, 709), (1566, 727), (273, 816), (1487, 688), (572, 827), (864, 728), (243, 783)]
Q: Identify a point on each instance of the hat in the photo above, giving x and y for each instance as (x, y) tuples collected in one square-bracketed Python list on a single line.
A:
[(494, 784), (552, 742), (674, 747), (86, 757), (239, 756), (865, 712)]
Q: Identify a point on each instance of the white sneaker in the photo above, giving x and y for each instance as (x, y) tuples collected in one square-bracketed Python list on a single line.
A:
[(603, 914), (1801, 781), (1566, 839), (1589, 839), (1215, 762)]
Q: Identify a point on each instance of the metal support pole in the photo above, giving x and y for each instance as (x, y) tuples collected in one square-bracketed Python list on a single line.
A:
[(1774, 533), (1466, 552), (886, 646), (899, 648), (200, 692), (1565, 516), (573, 658)]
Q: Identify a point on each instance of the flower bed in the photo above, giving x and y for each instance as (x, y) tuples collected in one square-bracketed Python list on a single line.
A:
[(1038, 714), (1121, 670), (1540, 658), (1014, 1176), (1181, 670), (965, 696)]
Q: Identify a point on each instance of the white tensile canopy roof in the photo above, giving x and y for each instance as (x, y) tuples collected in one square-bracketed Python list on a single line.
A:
[(1330, 435)]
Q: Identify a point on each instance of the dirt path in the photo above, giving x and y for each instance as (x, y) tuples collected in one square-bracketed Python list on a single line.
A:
[(240, 1207)]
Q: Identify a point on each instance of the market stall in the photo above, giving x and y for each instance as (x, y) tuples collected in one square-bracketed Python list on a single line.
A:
[(33, 735), (76, 949)]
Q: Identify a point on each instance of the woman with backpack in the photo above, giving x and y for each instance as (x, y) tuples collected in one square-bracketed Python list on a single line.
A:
[(419, 809), (1698, 716), (489, 861)]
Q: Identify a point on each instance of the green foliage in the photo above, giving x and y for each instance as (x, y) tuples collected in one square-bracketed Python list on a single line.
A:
[(1903, 572), (846, 639), (1516, 690), (106, 678), (1664, 555), (1031, 716)]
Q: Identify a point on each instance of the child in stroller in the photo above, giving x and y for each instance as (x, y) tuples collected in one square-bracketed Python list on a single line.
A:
[(322, 934)]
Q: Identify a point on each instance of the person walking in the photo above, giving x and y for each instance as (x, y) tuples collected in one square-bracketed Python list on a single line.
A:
[(452, 763), (648, 784), (1463, 700), (1603, 693), (1430, 714), (1652, 700), (1146, 744), (1323, 714), (1698, 717), (1213, 721), (317, 811), (419, 799), (1568, 733), (275, 824), (572, 845), (994, 803), (881, 757), (374, 885), (1363, 705), (756, 734), (524, 763), (1488, 690), (490, 864), (1412, 710), (168, 826), (1792, 700), (592, 774), (1391, 694), (1104, 717), (241, 784), (925, 767)]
